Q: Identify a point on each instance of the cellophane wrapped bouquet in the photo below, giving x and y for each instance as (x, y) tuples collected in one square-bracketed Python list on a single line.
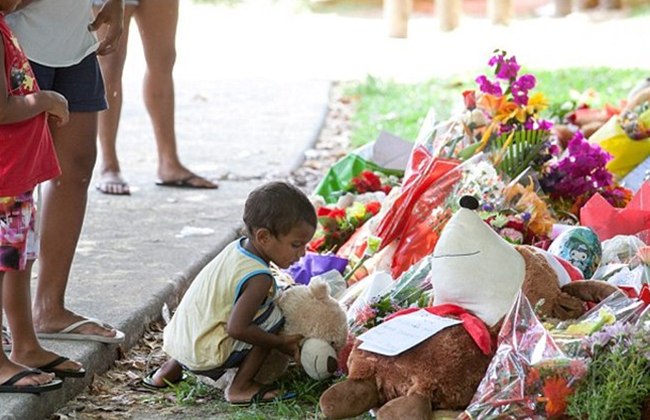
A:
[(530, 376)]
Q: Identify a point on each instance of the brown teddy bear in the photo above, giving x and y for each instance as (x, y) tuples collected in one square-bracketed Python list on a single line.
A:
[(479, 272)]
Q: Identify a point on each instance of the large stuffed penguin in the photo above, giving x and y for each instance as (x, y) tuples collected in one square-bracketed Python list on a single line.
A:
[(476, 276)]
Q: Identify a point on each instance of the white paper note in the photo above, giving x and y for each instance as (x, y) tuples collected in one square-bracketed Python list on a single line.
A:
[(404, 332)]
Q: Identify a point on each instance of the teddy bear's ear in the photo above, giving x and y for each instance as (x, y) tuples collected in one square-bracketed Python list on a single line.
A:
[(319, 288)]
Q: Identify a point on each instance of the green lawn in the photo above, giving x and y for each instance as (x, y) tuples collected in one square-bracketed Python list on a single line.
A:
[(401, 108)]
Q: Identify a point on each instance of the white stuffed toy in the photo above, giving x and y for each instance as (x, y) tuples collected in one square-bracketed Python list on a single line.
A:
[(310, 311)]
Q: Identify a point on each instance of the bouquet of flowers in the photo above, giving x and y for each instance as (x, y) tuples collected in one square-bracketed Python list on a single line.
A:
[(503, 119), (572, 180), (529, 376), (524, 218), (410, 290), (438, 202), (369, 181), (617, 383), (337, 225)]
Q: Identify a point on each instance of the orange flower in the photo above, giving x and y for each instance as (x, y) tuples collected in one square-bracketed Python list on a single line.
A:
[(556, 391), (491, 103)]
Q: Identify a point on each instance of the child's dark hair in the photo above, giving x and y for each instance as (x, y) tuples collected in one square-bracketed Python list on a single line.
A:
[(278, 207)]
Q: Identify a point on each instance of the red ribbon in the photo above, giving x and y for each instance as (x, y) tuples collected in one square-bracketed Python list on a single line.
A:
[(472, 324)]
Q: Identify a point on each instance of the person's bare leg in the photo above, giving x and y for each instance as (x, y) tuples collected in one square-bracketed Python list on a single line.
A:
[(62, 214), (8, 368), (243, 385), (157, 21), (26, 349), (110, 177)]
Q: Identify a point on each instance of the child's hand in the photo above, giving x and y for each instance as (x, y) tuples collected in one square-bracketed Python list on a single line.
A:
[(58, 108), (291, 346)]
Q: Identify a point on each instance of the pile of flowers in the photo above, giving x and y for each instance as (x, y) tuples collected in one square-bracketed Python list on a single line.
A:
[(336, 225), (504, 153)]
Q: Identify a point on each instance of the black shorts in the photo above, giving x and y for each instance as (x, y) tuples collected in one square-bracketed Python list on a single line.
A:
[(81, 84)]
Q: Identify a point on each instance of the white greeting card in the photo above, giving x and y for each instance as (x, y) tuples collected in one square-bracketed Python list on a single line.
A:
[(403, 332)]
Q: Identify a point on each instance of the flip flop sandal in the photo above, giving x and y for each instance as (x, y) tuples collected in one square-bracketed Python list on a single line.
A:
[(147, 381), (258, 398), (67, 334), (62, 373), (187, 183), (9, 386)]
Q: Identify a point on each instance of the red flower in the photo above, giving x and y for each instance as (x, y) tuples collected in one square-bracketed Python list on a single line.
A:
[(316, 244), (331, 212), (515, 224), (366, 181), (469, 97), (373, 207)]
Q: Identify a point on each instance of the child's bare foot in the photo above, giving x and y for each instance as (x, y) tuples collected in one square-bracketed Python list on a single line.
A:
[(253, 393), (170, 372)]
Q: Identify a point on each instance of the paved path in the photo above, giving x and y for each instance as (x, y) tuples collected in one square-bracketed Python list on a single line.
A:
[(252, 89)]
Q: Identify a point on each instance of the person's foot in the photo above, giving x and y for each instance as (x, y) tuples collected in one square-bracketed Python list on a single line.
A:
[(247, 393), (38, 358), (112, 183), (48, 323), (183, 177), (9, 369), (170, 372)]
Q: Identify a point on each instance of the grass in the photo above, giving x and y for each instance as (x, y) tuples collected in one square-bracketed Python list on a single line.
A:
[(401, 108), (192, 392)]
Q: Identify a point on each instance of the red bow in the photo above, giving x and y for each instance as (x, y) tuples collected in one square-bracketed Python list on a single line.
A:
[(473, 325)]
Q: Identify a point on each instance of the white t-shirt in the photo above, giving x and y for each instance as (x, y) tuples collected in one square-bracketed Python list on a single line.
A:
[(55, 33)]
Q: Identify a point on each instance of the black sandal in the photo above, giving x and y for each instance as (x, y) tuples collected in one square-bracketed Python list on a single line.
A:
[(258, 398)]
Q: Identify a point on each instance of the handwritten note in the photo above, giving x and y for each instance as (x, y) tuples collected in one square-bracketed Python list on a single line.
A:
[(404, 332)]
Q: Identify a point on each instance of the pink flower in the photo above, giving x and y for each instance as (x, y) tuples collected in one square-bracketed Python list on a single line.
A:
[(365, 314), (644, 255)]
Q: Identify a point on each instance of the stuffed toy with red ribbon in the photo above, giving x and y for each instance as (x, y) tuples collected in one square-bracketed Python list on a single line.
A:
[(476, 276)]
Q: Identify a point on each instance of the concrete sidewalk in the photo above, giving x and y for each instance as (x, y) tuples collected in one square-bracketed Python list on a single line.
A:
[(140, 251), (133, 255), (252, 87)]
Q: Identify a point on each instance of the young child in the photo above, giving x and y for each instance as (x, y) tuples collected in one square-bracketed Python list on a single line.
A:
[(227, 317), (27, 158)]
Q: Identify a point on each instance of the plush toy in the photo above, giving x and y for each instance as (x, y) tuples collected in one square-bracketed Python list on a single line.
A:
[(581, 247), (476, 277), (310, 311)]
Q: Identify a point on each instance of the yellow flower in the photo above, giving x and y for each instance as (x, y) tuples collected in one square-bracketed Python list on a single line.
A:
[(537, 103)]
